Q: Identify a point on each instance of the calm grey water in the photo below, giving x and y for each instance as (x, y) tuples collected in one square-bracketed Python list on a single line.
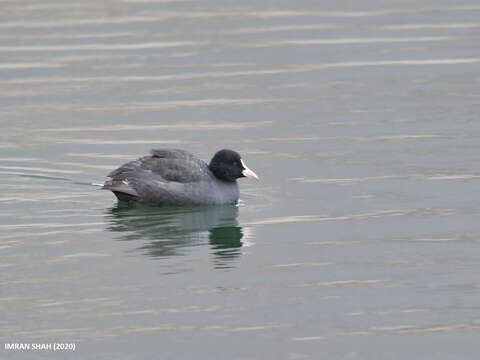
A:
[(361, 118)]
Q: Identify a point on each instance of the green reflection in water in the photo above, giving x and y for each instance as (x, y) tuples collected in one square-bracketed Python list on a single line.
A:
[(171, 231)]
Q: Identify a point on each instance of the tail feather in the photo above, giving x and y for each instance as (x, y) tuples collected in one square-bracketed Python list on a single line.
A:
[(122, 190)]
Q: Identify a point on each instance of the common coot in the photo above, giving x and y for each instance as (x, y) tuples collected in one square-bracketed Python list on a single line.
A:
[(176, 177)]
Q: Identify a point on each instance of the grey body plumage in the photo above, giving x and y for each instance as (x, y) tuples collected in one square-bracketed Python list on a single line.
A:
[(176, 177)]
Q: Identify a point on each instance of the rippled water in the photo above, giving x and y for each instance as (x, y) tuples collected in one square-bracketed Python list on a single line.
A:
[(360, 242)]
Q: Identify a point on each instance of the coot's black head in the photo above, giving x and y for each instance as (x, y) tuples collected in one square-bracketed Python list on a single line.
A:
[(227, 165)]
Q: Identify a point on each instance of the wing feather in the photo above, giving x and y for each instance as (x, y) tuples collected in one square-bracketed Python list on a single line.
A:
[(167, 164)]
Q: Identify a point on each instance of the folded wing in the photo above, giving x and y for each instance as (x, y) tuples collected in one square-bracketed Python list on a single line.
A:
[(166, 173)]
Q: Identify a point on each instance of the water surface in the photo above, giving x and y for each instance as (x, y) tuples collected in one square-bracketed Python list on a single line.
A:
[(359, 242)]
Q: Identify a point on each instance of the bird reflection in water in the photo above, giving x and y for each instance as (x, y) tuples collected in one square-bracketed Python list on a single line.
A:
[(171, 231)]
